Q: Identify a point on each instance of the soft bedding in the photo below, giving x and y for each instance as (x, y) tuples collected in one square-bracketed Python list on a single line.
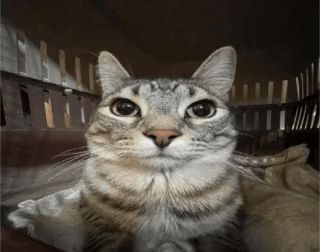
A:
[(281, 209)]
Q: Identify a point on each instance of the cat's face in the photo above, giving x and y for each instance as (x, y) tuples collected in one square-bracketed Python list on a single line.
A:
[(162, 122)]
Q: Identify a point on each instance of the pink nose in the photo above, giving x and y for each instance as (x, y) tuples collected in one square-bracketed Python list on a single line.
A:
[(162, 138)]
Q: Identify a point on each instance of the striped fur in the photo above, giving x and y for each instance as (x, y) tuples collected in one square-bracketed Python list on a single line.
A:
[(158, 200)]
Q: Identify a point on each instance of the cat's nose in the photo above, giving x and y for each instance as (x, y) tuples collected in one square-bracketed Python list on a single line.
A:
[(162, 138)]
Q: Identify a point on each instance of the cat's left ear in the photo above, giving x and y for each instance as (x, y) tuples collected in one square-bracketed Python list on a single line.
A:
[(217, 72), (111, 73)]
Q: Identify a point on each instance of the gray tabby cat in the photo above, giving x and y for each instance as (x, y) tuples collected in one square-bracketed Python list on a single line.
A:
[(159, 172)]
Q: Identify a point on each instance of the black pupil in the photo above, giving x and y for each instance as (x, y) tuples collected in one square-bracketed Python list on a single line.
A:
[(202, 109), (125, 108)]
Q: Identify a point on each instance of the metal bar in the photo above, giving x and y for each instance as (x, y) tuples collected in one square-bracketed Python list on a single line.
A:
[(269, 101), (283, 100), (312, 88), (295, 118), (257, 93), (298, 89), (297, 114), (299, 117), (307, 82), (303, 94), (314, 114), (57, 108), (245, 92), (77, 64), (62, 67), (22, 57), (318, 125), (303, 116), (270, 92), (302, 86), (269, 116), (44, 60), (307, 117), (282, 120), (284, 91)]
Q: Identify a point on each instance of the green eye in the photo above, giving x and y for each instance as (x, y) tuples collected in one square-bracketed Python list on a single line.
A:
[(201, 109), (124, 107)]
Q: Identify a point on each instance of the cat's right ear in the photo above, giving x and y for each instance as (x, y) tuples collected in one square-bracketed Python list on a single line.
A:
[(217, 72), (110, 73)]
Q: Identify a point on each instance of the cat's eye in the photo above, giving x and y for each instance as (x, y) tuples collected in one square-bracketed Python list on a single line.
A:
[(201, 109), (124, 107)]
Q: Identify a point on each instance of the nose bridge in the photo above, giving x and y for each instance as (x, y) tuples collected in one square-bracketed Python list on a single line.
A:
[(162, 122), (163, 135), (162, 129)]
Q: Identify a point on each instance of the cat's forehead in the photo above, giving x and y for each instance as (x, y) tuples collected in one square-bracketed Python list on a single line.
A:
[(164, 88)]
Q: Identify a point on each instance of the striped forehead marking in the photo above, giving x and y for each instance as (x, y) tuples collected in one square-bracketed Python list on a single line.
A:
[(166, 87)]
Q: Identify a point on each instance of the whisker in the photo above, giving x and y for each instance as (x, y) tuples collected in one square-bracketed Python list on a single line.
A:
[(245, 134), (64, 163), (73, 166), (66, 151), (74, 153)]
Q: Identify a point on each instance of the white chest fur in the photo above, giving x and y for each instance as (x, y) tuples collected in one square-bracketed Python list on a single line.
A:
[(159, 223)]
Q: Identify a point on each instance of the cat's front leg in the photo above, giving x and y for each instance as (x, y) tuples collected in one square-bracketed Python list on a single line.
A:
[(102, 234), (105, 242), (177, 246)]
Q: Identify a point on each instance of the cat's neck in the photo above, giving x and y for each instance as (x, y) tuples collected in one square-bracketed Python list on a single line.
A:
[(138, 175)]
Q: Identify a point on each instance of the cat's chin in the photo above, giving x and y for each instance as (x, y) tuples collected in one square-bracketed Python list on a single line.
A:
[(163, 162)]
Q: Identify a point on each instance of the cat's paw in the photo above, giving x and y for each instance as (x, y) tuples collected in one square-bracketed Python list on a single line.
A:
[(23, 217), (179, 246), (28, 205)]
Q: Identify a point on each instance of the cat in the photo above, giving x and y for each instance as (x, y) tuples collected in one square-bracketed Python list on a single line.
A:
[(159, 174)]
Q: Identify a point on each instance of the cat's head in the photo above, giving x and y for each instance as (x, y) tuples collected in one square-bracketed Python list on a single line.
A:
[(164, 122)]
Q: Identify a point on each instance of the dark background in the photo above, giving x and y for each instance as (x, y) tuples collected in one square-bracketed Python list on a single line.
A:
[(274, 39)]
